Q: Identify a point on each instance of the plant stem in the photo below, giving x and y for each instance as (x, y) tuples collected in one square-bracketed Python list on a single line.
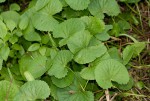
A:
[(107, 95)]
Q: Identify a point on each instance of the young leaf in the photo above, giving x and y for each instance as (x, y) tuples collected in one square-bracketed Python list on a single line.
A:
[(93, 24), (59, 65), (104, 36), (44, 22), (8, 90), (127, 54), (89, 54), (34, 63), (30, 34), (34, 47), (10, 24), (78, 4), (14, 7), (3, 30), (63, 82), (33, 90), (110, 70), (98, 7)]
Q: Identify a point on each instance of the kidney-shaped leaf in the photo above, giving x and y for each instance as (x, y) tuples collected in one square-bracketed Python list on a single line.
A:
[(68, 28), (63, 82), (78, 4), (79, 40), (59, 65), (32, 91), (89, 54), (8, 90), (110, 70), (34, 63), (98, 7)]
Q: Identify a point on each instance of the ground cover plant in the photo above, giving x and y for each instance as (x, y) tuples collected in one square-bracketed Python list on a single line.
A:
[(74, 50)]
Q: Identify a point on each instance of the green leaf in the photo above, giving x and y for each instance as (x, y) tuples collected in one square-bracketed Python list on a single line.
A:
[(32, 91), (4, 52), (1, 1), (8, 90), (74, 91), (10, 24), (127, 86), (98, 7), (59, 65), (110, 70), (14, 7), (88, 73), (75, 96), (44, 22), (24, 21), (89, 54), (130, 1), (104, 36), (34, 63), (1, 63), (11, 15), (127, 54), (63, 82), (138, 47), (83, 38), (34, 47), (78, 4), (93, 24), (3, 30), (53, 7), (40, 4), (30, 34), (68, 28), (42, 50), (13, 39), (114, 54)]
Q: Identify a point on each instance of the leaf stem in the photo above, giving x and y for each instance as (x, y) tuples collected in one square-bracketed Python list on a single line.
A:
[(52, 40), (132, 38), (28, 76), (107, 95)]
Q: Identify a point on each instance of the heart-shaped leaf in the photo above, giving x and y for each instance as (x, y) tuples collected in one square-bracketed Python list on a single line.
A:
[(34, 63), (110, 70), (33, 90), (59, 64)]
